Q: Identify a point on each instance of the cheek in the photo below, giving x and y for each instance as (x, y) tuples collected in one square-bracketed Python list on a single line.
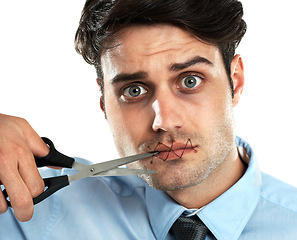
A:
[(128, 126), (220, 119), (212, 108)]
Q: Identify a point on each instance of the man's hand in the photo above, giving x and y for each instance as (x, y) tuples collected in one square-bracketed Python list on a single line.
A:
[(19, 143)]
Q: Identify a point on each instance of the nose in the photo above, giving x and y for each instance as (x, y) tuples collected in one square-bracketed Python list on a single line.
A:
[(168, 111)]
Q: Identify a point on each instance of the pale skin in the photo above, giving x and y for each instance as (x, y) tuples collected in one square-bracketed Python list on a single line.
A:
[(166, 109), (18, 172)]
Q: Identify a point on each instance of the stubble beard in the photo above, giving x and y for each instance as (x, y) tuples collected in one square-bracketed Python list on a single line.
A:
[(180, 176), (211, 153)]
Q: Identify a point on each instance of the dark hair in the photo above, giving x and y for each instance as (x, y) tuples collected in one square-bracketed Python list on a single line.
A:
[(218, 22)]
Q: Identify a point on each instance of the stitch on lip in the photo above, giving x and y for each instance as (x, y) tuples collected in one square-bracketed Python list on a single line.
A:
[(171, 150)]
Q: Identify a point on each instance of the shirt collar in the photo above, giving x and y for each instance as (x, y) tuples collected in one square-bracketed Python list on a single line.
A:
[(226, 216), (162, 210)]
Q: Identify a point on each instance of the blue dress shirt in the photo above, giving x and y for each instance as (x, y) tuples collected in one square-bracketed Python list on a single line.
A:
[(258, 206)]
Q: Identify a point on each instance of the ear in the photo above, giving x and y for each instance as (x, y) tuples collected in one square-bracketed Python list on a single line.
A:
[(101, 95), (237, 75), (101, 104)]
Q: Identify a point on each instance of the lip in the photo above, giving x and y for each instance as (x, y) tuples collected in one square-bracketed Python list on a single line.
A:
[(175, 151), (171, 147), (173, 154)]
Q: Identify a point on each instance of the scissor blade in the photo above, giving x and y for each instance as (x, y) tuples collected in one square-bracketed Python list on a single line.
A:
[(96, 169), (124, 172), (105, 166)]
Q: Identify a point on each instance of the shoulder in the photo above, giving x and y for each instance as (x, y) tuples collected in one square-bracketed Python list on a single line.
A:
[(275, 216), (279, 193), (276, 209)]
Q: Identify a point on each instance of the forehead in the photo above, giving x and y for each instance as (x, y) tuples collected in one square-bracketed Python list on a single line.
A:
[(165, 44)]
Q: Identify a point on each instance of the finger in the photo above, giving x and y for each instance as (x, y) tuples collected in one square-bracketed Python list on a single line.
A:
[(19, 193), (18, 171), (23, 163), (14, 130), (35, 143), (31, 177), (20, 199)]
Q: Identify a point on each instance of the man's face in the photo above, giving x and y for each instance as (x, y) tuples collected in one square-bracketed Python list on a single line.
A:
[(167, 91)]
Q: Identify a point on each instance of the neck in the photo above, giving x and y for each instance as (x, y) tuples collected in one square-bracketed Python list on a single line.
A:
[(219, 181)]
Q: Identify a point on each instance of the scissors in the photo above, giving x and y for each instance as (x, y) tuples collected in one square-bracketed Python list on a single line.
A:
[(57, 159)]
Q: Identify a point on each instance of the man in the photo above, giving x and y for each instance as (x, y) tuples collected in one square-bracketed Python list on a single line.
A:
[(169, 80)]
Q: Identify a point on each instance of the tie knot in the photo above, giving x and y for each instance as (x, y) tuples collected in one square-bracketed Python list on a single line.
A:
[(189, 228)]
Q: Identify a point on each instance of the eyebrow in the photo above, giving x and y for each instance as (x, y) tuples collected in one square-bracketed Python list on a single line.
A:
[(175, 67), (123, 77)]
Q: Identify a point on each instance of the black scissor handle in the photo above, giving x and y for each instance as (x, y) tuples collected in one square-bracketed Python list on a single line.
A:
[(54, 157), (52, 185)]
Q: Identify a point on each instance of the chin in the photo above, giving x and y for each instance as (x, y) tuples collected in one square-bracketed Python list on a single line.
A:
[(173, 181)]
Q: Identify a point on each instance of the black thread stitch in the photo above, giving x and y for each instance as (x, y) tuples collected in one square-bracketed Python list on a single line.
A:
[(170, 150)]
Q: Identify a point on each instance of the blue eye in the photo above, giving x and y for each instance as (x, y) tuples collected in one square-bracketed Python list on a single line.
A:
[(134, 91), (190, 81)]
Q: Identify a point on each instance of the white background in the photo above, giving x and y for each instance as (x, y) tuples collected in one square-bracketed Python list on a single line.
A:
[(44, 80)]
